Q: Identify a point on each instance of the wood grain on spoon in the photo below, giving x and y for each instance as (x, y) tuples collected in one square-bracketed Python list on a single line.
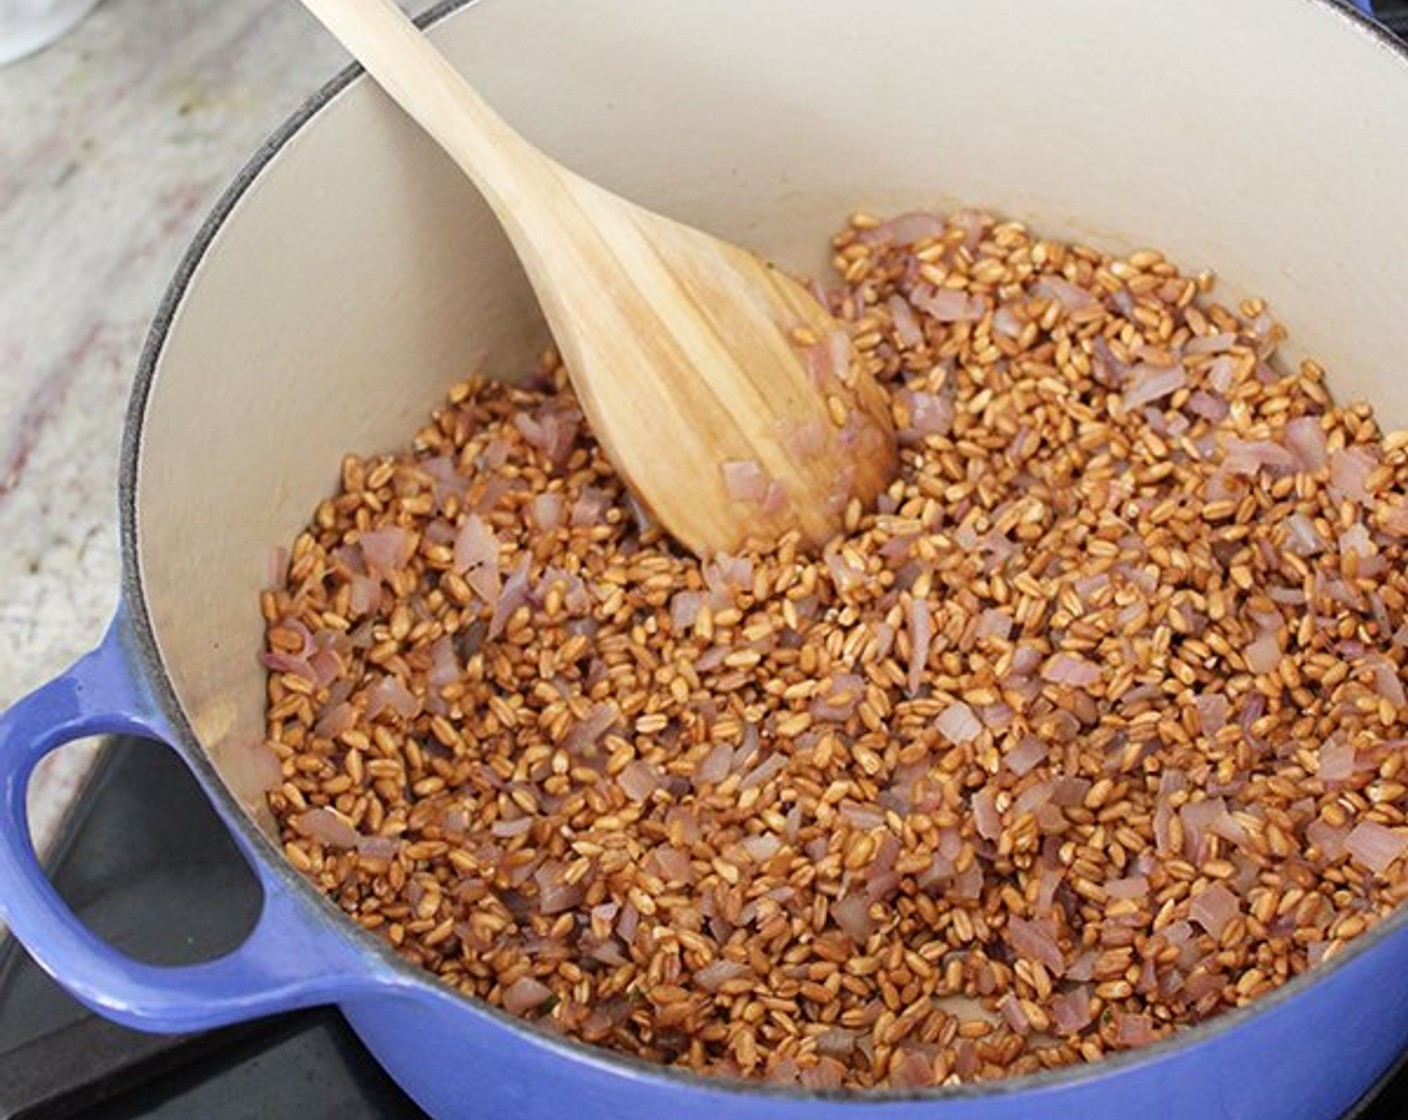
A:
[(684, 350)]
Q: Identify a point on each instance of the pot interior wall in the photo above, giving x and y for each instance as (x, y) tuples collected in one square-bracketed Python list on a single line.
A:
[(358, 275)]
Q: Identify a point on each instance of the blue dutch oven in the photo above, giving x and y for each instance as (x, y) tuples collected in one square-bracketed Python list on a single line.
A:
[(349, 275)]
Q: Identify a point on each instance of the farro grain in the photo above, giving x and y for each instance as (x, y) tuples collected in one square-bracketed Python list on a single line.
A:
[(725, 832)]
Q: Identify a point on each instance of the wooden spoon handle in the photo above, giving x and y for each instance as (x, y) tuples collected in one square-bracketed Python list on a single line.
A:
[(424, 83)]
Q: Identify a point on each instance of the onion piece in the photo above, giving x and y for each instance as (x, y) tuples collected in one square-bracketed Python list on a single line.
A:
[(1070, 669), (1264, 654), (548, 511), (949, 305), (599, 720), (1350, 468), (1376, 846), (852, 915), (326, 827), (1150, 383), (1071, 1011), (1071, 296), (907, 229), (717, 973), (930, 414), (1250, 457), (1210, 344), (986, 817), (920, 636), (1036, 941), (386, 550), (1334, 760), (525, 995), (1213, 907), (958, 724), (1025, 756), (1306, 440)]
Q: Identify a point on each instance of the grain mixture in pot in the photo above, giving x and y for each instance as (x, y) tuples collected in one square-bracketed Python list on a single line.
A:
[(1093, 729)]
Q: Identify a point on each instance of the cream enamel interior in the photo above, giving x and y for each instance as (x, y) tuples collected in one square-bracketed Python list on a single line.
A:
[(358, 274)]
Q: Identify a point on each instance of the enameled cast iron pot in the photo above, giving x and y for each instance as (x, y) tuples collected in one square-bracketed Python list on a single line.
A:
[(350, 274)]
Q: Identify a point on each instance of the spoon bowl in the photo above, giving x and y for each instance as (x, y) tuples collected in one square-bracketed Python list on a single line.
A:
[(725, 395)]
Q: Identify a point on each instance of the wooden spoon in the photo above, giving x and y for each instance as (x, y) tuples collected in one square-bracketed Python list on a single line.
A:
[(726, 397)]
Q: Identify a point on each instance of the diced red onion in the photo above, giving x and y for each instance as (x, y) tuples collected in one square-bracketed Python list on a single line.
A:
[(555, 894), (525, 995), (1132, 886), (948, 305), (1306, 440), (907, 229), (765, 771), (957, 723), (378, 847), (930, 414), (1209, 344), (552, 431), (684, 609), (1376, 846), (477, 557), (1387, 682), (1134, 1030), (717, 973), (1350, 468), (1006, 323), (1071, 296), (326, 827), (385, 550), (1070, 669), (920, 636), (589, 510), (986, 817), (365, 595), (1335, 760), (907, 330), (1036, 941), (599, 720), (1264, 654), (547, 511), (852, 916), (1330, 839), (387, 692), (1011, 1008), (727, 576), (1249, 457), (1213, 907), (839, 695), (335, 720), (994, 623), (1208, 406), (1150, 383), (1071, 1011), (1302, 538), (513, 595), (715, 766), (1213, 708), (1221, 372), (1026, 755)]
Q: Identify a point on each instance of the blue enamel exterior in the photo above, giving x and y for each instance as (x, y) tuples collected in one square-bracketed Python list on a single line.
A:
[(272, 971)]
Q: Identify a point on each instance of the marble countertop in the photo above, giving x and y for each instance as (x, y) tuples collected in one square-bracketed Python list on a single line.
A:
[(114, 143)]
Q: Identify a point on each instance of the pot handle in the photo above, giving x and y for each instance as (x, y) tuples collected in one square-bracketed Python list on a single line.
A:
[(291, 958)]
